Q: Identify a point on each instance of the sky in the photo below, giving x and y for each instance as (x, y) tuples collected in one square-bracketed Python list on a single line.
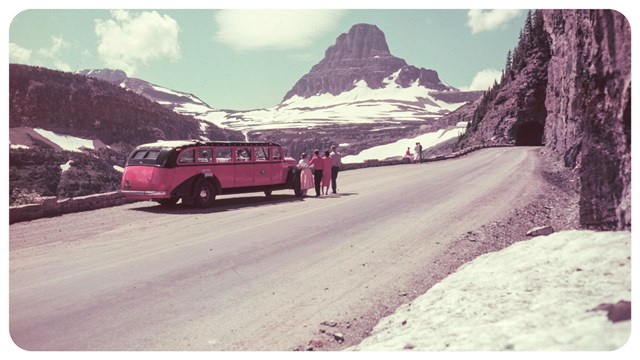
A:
[(546, 288), (247, 58)]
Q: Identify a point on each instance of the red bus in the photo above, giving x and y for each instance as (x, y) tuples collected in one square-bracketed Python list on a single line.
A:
[(197, 171)]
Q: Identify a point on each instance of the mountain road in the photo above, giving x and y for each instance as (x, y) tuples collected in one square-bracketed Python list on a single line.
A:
[(252, 272)]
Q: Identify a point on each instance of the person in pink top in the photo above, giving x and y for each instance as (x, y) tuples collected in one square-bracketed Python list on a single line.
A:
[(326, 176), (317, 163)]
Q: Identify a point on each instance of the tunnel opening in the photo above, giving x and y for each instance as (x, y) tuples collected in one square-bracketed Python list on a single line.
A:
[(530, 134)]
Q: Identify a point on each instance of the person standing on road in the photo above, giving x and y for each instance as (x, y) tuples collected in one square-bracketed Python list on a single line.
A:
[(318, 166), (336, 159), (326, 176), (418, 154), (306, 177)]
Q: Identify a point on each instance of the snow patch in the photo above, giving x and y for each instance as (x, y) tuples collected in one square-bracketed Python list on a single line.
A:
[(399, 147), (535, 295), (66, 142), (66, 166)]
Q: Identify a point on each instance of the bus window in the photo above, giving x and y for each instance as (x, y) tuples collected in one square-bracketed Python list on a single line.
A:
[(204, 155), (223, 154), (243, 154), (186, 157), (276, 153), (262, 154), (152, 155), (139, 154)]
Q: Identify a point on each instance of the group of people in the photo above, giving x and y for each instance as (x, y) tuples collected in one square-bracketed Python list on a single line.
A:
[(417, 157), (320, 171)]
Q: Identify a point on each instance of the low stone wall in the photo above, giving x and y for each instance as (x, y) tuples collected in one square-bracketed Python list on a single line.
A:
[(374, 163), (51, 206)]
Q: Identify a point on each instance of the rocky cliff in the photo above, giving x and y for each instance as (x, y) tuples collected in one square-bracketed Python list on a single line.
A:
[(361, 54), (567, 85), (513, 111), (589, 109)]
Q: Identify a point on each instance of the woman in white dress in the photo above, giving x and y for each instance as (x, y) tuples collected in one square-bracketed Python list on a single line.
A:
[(306, 177)]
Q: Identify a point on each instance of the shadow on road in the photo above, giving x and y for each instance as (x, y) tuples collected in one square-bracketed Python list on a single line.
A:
[(220, 205), (230, 204)]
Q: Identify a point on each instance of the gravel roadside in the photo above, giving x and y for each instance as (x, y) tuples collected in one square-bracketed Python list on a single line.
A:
[(556, 206)]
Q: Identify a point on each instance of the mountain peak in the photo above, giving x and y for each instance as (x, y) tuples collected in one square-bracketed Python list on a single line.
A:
[(362, 41), (360, 54)]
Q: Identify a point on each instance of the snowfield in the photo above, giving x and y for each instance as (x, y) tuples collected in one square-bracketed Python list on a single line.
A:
[(399, 147), (535, 295), (358, 105), (66, 142)]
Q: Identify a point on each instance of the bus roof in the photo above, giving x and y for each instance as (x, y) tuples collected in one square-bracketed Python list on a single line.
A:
[(185, 143)]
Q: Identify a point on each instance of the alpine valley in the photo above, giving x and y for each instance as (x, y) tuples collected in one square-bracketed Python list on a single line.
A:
[(565, 86), (70, 133)]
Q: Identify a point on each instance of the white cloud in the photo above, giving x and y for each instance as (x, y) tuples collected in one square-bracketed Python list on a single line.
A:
[(276, 29), (18, 54), (129, 40), (58, 44), (486, 20), (484, 79)]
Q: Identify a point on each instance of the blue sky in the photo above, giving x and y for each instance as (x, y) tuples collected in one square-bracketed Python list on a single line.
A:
[(246, 59), (249, 59)]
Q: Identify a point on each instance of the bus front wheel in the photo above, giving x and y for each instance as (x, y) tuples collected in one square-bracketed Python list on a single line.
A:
[(205, 194)]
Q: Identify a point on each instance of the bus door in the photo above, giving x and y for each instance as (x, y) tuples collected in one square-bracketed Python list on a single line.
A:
[(243, 166)]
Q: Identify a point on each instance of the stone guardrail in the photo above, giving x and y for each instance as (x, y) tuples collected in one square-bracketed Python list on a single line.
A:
[(51, 206)]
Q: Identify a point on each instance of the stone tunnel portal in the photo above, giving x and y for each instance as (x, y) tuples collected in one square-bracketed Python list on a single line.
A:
[(530, 134)]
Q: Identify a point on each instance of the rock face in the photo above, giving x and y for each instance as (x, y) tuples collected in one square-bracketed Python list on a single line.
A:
[(513, 111), (360, 54), (572, 93), (115, 77), (589, 109)]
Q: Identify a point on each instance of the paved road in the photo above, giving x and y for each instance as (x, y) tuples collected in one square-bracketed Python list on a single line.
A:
[(250, 273)]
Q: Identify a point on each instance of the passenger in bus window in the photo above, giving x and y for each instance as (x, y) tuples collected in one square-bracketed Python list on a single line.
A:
[(243, 155), (204, 156)]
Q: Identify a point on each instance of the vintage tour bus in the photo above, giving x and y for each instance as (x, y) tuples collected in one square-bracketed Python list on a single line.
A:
[(197, 171)]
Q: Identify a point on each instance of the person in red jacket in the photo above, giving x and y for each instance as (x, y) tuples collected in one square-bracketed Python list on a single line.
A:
[(317, 163)]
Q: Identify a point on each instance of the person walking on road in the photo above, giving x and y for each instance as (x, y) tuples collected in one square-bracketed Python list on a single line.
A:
[(336, 159), (317, 163)]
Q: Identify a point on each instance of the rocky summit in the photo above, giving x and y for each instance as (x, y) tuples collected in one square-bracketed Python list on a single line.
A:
[(361, 54)]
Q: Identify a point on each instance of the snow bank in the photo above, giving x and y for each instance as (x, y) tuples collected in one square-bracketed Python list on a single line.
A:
[(399, 147), (66, 142), (534, 295)]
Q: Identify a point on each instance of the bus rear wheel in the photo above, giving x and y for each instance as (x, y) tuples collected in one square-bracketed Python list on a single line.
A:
[(204, 194)]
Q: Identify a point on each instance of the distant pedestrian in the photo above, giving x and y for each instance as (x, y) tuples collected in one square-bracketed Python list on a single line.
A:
[(418, 155), (318, 166), (306, 177), (326, 176), (336, 159), (408, 153)]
